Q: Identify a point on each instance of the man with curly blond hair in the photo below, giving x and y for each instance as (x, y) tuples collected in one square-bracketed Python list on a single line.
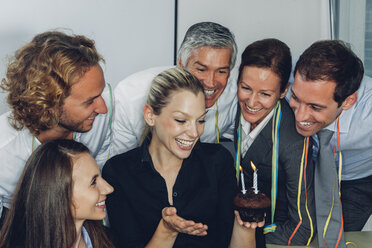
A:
[(56, 90)]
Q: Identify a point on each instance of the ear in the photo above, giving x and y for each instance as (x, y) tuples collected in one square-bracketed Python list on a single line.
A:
[(282, 95), (149, 115), (180, 63), (349, 101)]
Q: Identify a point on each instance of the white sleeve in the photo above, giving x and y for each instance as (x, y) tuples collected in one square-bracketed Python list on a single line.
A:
[(130, 98)]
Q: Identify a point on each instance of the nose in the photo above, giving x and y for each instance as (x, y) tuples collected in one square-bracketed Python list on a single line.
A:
[(193, 130), (300, 112), (100, 107), (209, 80), (252, 100), (105, 188)]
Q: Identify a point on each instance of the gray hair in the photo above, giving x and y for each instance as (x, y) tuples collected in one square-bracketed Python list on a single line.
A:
[(207, 34), (162, 88)]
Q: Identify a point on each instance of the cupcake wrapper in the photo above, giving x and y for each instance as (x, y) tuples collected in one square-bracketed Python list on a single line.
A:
[(251, 215)]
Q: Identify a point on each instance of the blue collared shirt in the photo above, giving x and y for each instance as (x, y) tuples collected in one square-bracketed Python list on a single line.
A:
[(86, 237), (355, 135)]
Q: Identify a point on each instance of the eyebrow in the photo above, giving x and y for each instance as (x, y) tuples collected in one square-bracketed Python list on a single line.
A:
[(224, 67), (246, 84), (312, 104), (186, 114), (92, 98)]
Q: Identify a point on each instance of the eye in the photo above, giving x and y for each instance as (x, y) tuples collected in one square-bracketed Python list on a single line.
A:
[(200, 69), (180, 121), (245, 87), (294, 97), (316, 108), (266, 94), (222, 71), (201, 121), (94, 181)]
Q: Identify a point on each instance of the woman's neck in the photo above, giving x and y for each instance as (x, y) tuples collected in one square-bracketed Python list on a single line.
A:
[(166, 164), (162, 157), (79, 242)]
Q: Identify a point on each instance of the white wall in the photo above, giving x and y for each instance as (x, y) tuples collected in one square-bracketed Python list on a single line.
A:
[(131, 35), (298, 23)]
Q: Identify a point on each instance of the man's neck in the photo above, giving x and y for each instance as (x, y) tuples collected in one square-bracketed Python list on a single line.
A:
[(54, 133)]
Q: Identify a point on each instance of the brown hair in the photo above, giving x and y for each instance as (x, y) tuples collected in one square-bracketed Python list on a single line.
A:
[(269, 53), (41, 213), (332, 60), (41, 74)]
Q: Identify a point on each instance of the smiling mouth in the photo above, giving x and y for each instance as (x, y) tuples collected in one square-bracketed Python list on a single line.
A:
[(209, 92), (305, 123), (185, 143), (254, 110), (100, 204)]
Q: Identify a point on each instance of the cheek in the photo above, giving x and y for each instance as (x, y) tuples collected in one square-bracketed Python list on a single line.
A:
[(269, 103), (242, 96), (222, 80), (200, 129), (168, 125)]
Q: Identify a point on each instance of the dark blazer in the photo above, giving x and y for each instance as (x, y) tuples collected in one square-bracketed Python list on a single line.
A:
[(291, 146)]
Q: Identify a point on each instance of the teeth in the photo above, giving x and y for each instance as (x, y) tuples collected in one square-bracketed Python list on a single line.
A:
[(102, 203), (185, 142), (208, 92), (305, 123), (252, 109)]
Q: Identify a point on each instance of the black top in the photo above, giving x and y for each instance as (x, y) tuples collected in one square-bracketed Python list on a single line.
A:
[(203, 192), (290, 153)]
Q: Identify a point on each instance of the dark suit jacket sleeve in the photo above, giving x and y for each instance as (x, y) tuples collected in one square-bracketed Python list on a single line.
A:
[(290, 157), (121, 215)]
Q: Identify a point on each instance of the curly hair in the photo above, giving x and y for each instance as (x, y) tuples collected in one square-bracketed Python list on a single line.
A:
[(41, 74)]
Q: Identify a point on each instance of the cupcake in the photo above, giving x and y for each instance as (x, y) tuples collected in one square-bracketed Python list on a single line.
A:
[(251, 206)]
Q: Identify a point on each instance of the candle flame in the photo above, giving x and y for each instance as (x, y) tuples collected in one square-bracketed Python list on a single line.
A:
[(240, 168), (253, 167)]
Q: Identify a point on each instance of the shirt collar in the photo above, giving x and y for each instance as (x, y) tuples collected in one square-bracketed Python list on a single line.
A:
[(86, 237), (253, 134), (346, 116)]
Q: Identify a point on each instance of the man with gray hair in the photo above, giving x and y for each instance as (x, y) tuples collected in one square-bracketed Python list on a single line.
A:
[(208, 51)]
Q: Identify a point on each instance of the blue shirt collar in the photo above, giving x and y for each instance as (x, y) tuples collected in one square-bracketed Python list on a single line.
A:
[(86, 237)]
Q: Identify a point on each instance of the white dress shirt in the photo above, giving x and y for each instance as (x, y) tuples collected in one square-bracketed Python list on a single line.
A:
[(249, 136), (131, 95), (16, 147)]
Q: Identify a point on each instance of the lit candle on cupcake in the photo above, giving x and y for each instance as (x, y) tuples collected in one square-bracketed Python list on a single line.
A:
[(242, 180), (255, 187)]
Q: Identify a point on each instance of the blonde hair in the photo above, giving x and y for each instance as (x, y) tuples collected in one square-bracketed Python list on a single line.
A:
[(164, 85)]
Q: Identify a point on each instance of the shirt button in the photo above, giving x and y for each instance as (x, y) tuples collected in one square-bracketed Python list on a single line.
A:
[(175, 194)]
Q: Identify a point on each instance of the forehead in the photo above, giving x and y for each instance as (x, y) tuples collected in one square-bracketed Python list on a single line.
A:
[(90, 84), (260, 76), (84, 167), (185, 101), (317, 92), (220, 56)]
